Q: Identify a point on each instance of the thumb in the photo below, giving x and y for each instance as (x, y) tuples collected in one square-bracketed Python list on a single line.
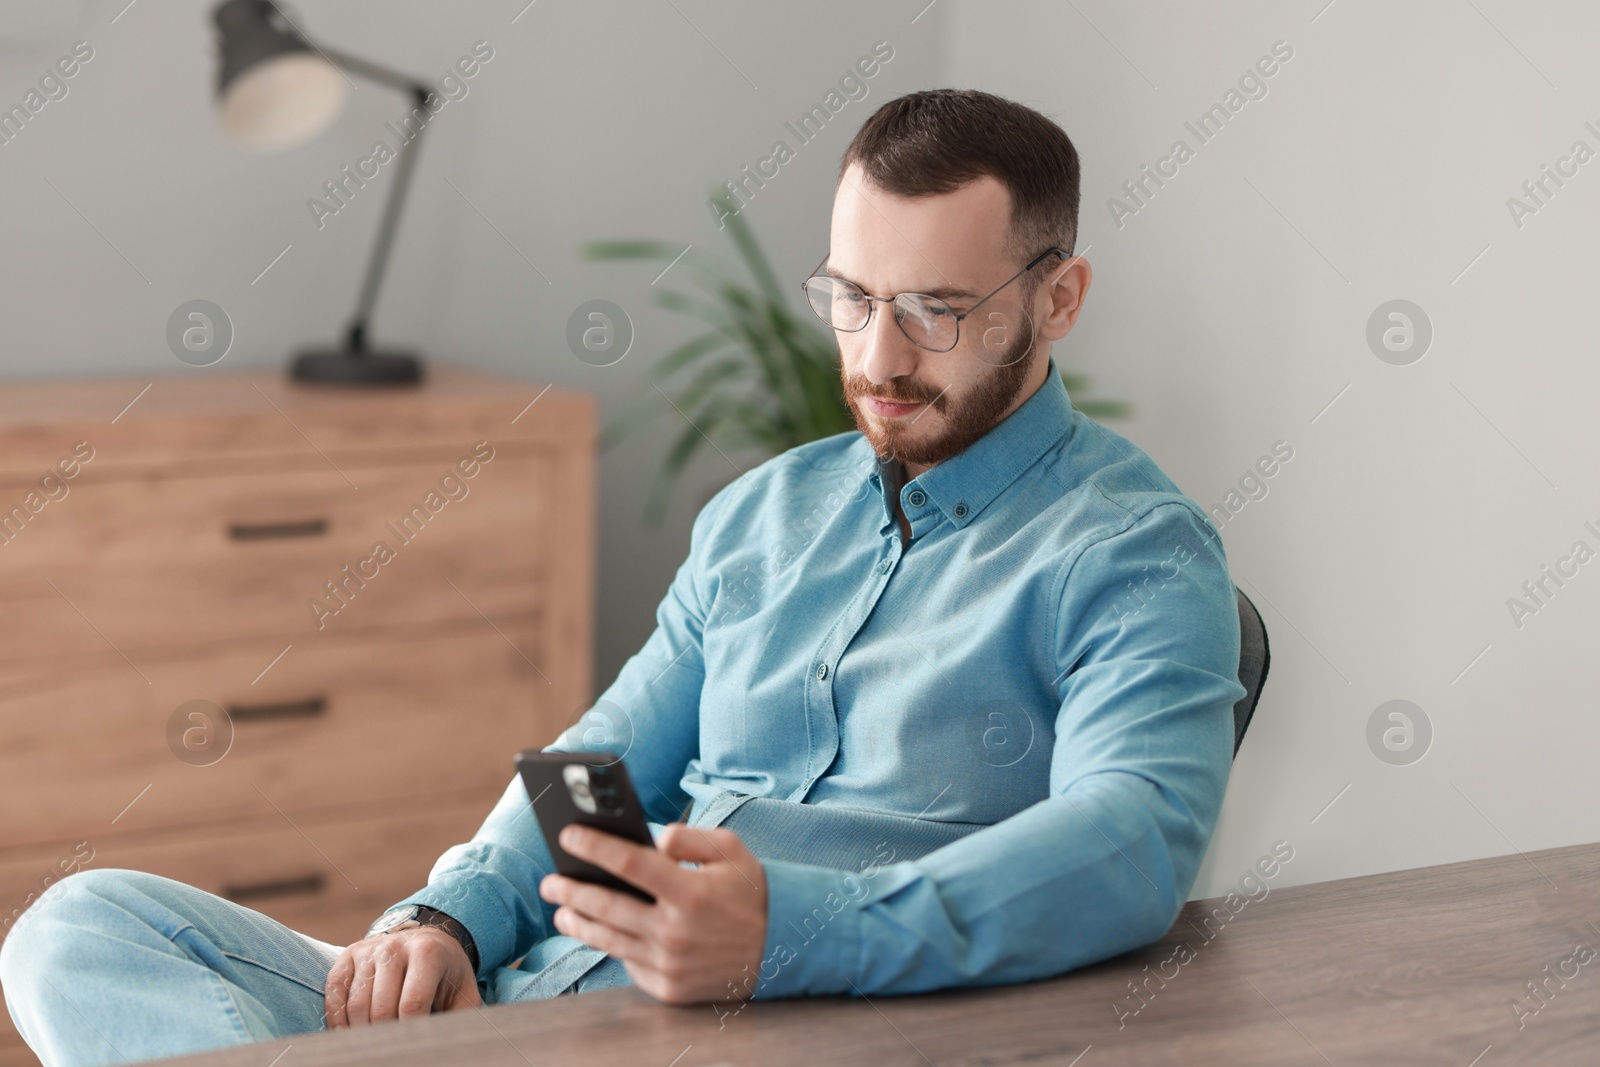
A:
[(697, 845)]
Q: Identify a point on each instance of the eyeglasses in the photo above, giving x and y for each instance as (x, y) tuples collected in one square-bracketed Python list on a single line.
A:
[(929, 322)]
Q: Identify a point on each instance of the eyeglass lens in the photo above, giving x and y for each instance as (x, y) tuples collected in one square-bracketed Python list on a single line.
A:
[(926, 320)]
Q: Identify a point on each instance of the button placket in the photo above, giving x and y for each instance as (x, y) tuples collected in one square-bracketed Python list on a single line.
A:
[(823, 715)]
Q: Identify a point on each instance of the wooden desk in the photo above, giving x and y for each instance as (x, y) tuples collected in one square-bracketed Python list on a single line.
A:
[(1415, 967)]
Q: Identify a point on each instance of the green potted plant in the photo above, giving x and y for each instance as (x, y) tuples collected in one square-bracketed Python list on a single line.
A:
[(762, 376)]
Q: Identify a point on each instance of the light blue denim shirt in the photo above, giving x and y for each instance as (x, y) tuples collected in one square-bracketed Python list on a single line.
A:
[(990, 754)]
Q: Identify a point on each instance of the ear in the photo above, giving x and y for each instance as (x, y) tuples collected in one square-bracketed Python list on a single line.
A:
[(1062, 296)]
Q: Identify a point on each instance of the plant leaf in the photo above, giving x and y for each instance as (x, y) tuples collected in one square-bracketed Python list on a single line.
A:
[(749, 250), (629, 250)]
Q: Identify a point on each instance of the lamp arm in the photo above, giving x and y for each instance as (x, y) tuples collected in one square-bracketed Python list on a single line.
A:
[(356, 337), (362, 68)]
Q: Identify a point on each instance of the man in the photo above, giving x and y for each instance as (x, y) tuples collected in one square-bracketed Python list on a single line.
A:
[(948, 699)]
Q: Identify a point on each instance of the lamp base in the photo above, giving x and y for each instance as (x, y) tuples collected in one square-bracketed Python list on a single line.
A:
[(336, 366)]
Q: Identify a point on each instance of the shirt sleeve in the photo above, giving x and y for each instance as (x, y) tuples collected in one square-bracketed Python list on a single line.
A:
[(1143, 747), (650, 715)]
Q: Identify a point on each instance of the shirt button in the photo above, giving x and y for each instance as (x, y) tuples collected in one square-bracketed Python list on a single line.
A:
[(822, 672), (960, 511), (917, 498), (886, 566)]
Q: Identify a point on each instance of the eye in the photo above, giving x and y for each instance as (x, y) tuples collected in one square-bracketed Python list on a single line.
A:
[(928, 307)]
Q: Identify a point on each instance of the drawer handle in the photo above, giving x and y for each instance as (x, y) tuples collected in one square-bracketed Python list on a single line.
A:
[(269, 531), (289, 709), (308, 885)]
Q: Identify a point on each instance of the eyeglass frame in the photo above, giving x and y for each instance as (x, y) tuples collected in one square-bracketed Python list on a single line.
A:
[(958, 316)]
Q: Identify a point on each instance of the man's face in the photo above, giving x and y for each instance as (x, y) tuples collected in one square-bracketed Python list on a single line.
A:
[(920, 406)]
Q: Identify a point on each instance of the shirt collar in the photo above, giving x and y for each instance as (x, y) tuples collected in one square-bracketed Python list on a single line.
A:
[(965, 484)]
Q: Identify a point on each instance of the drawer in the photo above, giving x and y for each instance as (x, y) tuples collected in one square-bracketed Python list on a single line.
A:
[(275, 869), (336, 721), (159, 563)]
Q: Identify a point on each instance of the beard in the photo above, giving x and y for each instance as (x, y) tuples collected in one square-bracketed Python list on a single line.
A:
[(966, 418)]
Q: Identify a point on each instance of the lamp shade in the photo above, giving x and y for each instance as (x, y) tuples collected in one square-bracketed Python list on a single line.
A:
[(274, 91)]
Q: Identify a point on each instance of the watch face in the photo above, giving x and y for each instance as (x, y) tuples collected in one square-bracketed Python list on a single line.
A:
[(390, 919)]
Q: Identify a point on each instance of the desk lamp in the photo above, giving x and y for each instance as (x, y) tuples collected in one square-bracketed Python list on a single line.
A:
[(276, 90)]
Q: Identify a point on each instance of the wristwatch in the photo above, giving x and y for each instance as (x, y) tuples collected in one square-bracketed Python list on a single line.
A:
[(408, 915)]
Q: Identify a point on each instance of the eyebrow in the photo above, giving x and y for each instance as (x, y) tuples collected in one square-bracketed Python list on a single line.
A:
[(943, 292)]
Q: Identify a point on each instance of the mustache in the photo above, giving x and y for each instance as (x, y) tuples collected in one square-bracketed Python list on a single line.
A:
[(900, 390)]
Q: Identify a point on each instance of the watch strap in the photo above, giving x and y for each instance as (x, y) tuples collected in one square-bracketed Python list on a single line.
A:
[(423, 915), (434, 917)]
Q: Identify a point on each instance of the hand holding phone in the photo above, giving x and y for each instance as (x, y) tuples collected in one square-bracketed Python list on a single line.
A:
[(713, 922), (591, 789)]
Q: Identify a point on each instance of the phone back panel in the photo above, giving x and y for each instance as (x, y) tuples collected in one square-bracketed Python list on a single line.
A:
[(616, 808)]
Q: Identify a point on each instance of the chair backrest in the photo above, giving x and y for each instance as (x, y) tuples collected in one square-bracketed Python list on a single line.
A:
[(1255, 656)]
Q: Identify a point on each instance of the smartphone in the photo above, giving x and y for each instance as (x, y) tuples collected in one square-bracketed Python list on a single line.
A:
[(590, 789)]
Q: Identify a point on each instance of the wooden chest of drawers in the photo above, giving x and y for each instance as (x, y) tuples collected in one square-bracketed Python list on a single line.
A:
[(278, 641)]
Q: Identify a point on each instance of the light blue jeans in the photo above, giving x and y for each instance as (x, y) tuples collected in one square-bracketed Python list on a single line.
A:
[(113, 966)]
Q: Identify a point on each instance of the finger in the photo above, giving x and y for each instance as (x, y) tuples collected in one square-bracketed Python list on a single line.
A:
[(610, 906), (696, 845), (457, 992), (607, 939), (358, 1002), (685, 843), (640, 865), (660, 985), (646, 978), (336, 990), (421, 984), (389, 973)]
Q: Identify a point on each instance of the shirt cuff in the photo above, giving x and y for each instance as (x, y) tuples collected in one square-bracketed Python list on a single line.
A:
[(460, 895), (814, 930)]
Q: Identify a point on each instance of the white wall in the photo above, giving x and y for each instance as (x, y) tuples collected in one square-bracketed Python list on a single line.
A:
[(1385, 551), (1232, 309)]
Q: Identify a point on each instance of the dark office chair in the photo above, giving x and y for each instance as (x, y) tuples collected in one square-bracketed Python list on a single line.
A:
[(1255, 656)]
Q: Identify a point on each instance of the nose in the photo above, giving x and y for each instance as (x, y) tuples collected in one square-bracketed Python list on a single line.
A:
[(886, 352)]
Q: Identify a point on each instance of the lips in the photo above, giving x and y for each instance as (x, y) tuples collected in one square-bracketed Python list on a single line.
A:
[(890, 409)]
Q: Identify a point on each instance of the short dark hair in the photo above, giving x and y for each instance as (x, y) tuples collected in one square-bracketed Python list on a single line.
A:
[(935, 141)]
